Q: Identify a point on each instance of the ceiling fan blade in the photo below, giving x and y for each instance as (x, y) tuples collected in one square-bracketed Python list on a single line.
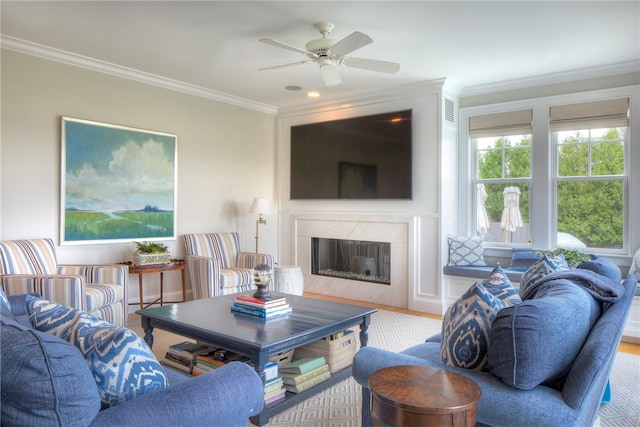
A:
[(309, 61), (330, 75), (371, 65), (354, 41), (289, 47)]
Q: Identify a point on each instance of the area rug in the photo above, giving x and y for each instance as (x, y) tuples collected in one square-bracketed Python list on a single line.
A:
[(339, 406)]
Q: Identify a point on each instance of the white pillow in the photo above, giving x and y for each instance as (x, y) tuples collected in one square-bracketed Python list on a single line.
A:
[(466, 251)]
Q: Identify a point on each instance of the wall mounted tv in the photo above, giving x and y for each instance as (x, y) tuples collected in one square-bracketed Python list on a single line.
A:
[(366, 157)]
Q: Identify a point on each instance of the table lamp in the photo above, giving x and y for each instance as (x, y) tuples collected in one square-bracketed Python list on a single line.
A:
[(259, 206)]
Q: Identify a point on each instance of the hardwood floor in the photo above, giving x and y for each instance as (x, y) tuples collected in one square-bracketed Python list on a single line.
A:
[(625, 347)]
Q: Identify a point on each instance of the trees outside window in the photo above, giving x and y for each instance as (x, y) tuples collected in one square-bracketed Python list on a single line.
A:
[(590, 185)]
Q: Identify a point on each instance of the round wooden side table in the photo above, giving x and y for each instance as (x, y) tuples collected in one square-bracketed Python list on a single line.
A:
[(422, 396)]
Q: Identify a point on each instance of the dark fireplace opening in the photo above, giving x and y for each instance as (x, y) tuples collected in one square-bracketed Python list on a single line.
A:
[(351, 259)]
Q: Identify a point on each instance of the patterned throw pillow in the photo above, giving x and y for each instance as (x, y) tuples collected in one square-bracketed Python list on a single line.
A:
[(541, 268), (466, 326), (122, 364), (466, 251), (500, 286)]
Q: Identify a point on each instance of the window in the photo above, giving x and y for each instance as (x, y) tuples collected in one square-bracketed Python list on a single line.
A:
[(502, 147), (551, 172), (590, 177)]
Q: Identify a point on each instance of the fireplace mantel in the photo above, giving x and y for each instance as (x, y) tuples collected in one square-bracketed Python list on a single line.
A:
[(396, 230)]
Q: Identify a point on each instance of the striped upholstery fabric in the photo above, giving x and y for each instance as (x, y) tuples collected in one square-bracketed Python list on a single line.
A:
[(35, 256), (217, 267), (227, 248), (30, 266)]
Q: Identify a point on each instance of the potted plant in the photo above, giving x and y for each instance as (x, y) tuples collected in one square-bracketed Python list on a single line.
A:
[(151, 253), (572, 256)]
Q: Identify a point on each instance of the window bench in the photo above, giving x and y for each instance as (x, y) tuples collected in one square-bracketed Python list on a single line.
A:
[(480, 272)]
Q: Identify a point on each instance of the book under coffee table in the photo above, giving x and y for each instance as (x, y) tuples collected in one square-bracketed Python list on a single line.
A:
[(211, 321)]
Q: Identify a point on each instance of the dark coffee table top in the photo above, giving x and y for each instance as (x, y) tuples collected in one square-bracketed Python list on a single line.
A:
[(211, 320)]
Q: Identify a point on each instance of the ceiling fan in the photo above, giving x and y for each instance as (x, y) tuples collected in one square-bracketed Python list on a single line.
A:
[(329, 54)]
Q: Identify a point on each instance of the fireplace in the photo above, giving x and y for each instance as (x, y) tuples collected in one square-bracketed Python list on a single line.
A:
[(396, 230), (351, 259)]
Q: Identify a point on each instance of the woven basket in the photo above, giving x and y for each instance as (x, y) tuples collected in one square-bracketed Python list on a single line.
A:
[(338, 352)]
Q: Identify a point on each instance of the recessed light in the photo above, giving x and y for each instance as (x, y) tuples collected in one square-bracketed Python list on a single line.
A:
[(292, 87), (313, 94)]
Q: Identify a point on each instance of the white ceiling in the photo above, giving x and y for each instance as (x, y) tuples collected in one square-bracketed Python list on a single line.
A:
[(214, 45)]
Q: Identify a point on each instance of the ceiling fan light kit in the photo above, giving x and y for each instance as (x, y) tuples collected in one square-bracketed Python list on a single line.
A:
[(329, 54)]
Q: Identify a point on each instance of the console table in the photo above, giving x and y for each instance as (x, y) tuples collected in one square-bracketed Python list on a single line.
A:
[(141, 270)]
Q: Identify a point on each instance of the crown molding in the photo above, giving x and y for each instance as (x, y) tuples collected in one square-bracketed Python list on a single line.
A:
[(92, 64), (554, 78)]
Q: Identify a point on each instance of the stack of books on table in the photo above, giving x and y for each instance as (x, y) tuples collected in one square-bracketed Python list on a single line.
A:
[(305, 373), (274, 390), (182, 356), (273, 306), (214, 358)]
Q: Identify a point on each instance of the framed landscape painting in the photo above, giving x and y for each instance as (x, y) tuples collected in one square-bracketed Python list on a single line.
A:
[(118, 184)]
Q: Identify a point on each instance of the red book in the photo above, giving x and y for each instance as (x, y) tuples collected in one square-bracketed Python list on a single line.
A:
[(269, 302)]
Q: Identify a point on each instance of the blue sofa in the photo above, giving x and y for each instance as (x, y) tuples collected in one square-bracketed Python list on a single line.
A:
[(46, 380), (572, 394)]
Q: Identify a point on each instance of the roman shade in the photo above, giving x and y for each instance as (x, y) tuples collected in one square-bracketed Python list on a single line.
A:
[(597, 114), (501, 124)]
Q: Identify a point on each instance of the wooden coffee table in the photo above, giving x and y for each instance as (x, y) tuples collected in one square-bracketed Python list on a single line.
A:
[(211, 321), (422, 396)]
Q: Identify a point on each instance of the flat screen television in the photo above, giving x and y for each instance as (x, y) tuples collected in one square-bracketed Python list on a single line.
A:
[(368, 157)]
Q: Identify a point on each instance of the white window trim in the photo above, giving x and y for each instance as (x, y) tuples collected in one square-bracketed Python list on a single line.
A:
[(541, 191)]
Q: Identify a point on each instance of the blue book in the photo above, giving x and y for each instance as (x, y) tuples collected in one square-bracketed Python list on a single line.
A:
[(254, 312)]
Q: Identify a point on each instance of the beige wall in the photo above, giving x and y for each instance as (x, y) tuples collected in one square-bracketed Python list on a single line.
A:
[(226, 154)]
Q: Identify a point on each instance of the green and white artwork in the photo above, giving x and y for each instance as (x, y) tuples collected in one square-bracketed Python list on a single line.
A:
[(117, 183)]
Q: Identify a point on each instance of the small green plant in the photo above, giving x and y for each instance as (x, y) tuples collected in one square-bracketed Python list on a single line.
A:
[(150, 247), (572, 256)]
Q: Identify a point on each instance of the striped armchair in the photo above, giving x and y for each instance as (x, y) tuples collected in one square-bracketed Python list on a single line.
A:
[(218, 267), (31, 266)]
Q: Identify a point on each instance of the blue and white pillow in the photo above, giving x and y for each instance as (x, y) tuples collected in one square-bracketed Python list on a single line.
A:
[(466, 251), (500, 286), (122, 364), (466, 326), (541, 268)]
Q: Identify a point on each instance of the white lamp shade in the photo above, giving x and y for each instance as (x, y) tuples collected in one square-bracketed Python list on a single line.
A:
[(260, 206)]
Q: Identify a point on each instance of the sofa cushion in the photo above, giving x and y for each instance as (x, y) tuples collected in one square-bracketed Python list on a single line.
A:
[(523, 259), (536, 341), (466, 251), (123, 365), (602, 266), (500, 286), (45, 380), (466, 326), (541, 268)]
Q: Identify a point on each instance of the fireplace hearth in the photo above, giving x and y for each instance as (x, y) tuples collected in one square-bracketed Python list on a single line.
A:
[(360, 260)]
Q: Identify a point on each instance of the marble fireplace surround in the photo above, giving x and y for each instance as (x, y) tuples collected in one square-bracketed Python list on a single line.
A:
[(396, 230)]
